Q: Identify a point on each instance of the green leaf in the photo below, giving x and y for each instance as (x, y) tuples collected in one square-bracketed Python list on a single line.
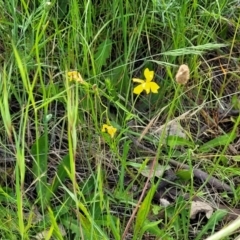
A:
[(111, 89), (156, 209), (157, 172), (184, 174), (62, 9), (111, 222), (90, 227), (145, 169), (143, 212), (40, 151), (235, 102), (62, 174), (173, 141), (86, 227), (102, 54), (212, 222), (236, 158), (196, 50), (216, 142), (152, 227)]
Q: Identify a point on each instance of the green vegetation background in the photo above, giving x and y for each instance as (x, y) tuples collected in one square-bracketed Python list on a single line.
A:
[(62, 177)]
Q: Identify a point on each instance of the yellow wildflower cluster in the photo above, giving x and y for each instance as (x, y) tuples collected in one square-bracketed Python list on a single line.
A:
[(109, 129), (147, 84), (75, 76)]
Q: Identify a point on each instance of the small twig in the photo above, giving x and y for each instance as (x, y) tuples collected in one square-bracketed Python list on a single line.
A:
[(203, 176), (140, 199), (230, 113)]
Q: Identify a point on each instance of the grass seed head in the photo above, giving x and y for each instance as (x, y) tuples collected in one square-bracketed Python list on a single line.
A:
[(183, 75)]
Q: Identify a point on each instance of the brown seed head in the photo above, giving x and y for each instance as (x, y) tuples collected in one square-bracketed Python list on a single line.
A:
[(182, 75)]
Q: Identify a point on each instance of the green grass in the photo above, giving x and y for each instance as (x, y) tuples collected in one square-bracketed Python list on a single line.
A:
[(62, 177)]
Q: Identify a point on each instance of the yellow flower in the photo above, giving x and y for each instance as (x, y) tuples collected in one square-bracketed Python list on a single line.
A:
[(147, 84), (75, 76), (110, 129)]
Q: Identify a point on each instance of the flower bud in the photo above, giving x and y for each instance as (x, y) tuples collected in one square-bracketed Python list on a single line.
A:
[(182, 75)]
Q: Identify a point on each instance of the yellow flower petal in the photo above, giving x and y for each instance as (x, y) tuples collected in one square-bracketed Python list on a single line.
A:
[(154, 87), (148, 75), (138, 80), (147, 87), (76, 76), (138, 89), (110, 129), (104, 127)]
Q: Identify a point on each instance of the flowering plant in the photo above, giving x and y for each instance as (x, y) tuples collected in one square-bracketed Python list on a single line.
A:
[(147, 84)]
